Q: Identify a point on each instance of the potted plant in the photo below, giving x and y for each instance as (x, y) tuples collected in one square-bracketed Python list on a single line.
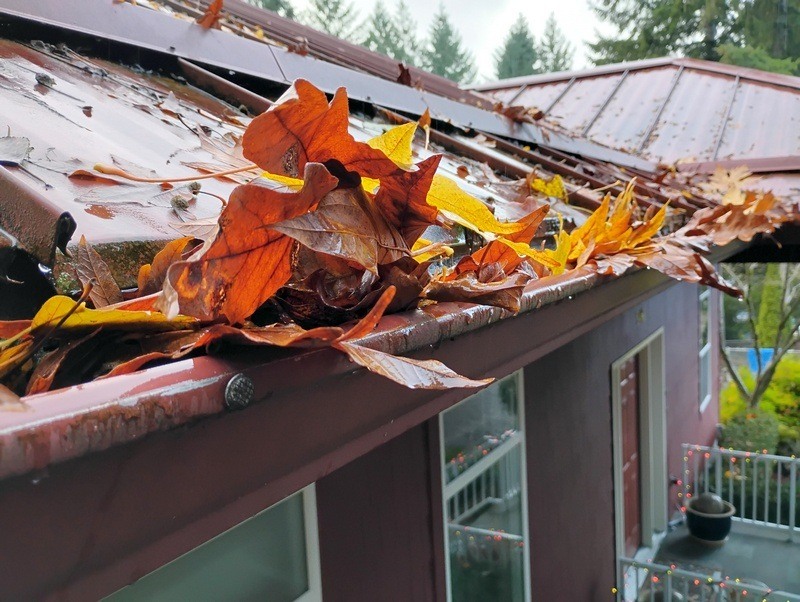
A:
[(708, 518)]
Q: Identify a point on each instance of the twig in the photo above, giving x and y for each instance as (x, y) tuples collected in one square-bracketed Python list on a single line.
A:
[(112, 170)]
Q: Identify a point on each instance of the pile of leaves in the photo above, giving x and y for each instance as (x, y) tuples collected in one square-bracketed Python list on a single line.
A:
[(331, 234)]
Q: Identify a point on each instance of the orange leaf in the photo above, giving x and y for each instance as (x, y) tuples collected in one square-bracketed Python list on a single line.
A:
[(301, 127), (505, 293), (247, 262), (151, 276), (403, 199), (367, 324), (209, 18)]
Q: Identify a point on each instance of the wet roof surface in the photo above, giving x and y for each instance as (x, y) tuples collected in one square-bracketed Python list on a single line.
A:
[(669, 110)]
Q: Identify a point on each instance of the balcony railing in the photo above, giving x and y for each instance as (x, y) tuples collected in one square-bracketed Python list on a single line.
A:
[(762, 487), (651, 582)]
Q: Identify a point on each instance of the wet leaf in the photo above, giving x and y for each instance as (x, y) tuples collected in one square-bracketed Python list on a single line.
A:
[(554, 187), (151, 276), (247, 262), (505, 293), (411, 373), (13, 357), (301, 127), (14, 150), (730, 185), (90, 267), (45, 372), (58, 306), (395, 143)]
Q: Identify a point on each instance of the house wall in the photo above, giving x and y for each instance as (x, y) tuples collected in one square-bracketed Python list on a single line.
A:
[(568, 421), (380, 516)]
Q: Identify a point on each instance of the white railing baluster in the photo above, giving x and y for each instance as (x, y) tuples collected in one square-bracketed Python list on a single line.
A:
[(685, 475), (718, 472), (742, 499), (755, 489), (792, 499), (766, 491), (778, 492)]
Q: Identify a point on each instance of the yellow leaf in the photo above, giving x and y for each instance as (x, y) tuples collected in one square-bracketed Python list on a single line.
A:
[(553, 187), (560, 254), (13, 357), (524, 250), (591, 229), (648, 230), (436, 250), (291, 183), (464, 209), (396, 144), (55, 308)]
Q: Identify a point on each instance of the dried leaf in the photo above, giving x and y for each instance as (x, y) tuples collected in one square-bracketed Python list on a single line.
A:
[(45, 372), (505, 293), (90, 267), (209, 18), (13, 357), (554, 187), (247, 262), (414, 374), (301, 127), (731, 185), (12, 328)]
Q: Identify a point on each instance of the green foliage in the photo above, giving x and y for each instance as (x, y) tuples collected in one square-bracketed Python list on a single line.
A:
[(518, 54), (755, 432), (555, 52), (444, 53), (283, 7), (758, 58), (336, 17), (781, 400), (769, 311), (392, 35), (773, 26)]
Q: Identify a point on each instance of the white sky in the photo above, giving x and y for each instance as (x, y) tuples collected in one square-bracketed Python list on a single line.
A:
[(483, 24)]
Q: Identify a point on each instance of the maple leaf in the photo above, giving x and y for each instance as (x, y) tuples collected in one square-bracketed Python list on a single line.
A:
[(554, 187), (395, 143), (730, 184), (301, 127), (209, 18), (90, 267), (505, 292), (151, 276), (247, 262)]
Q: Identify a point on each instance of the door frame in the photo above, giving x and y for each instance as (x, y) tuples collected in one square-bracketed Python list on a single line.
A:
[(652, 441)]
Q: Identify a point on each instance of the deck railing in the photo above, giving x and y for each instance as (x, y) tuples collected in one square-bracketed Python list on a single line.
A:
[(762, 487), (652, 582)]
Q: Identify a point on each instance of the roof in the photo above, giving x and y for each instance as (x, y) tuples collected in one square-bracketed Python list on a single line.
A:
[(142, 118), (670, 110)]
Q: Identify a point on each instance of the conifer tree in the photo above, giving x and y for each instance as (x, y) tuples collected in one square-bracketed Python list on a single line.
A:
[(408, 44), (444, 53), (336, 17), (518, 54), (283, 7), (382, 34), (555, 51)]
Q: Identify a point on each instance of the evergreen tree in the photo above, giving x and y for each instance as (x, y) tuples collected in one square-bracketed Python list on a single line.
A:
[(444, 53), (654, 28), (283, 7), (758, 58), (518, 54), (408, 44), (336, 17), (773, 26), (382, 34), (555, 52)]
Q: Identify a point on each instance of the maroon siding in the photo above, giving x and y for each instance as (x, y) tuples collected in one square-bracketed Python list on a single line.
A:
[(376, 526), (568, 421)]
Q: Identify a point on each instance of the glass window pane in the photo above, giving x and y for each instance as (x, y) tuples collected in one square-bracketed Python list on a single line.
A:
[(485, 508), (704, 296), (479, 424), (263, 558)]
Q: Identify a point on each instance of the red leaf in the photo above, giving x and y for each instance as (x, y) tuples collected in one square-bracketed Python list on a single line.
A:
[(209, 18)]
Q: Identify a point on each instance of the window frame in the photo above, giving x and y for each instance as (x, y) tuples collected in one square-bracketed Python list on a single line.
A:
[(516, 441), (704, 350)]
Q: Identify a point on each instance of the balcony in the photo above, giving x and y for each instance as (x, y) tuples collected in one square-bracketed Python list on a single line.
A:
[(761, 558)]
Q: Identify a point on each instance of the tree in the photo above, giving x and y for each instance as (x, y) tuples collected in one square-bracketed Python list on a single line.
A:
[(771, 300), (771, 25), (655, 28), (518, 54), (382, 34), (283, 7), (444, 53), (757, 58), (336, 17), (408, 44), (555, 52)]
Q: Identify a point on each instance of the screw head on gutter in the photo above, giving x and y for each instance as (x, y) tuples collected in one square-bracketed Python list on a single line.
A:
[(239, 392)]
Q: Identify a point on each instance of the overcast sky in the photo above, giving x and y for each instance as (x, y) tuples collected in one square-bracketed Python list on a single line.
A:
[(483, 24)]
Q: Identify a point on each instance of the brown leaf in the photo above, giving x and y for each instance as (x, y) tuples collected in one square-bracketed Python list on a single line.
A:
[(367, 323), (505, 293), (90, 267), (209, 18), (151, 276), (12, 328), (45, 372), (247, 262), (301, 127), (425, 119), (402, 198), (414, 374)]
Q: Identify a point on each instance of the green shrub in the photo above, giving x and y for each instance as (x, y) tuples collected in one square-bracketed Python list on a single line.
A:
[(756, 432)]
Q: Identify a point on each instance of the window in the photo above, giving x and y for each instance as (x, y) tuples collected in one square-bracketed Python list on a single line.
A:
[(705, 348), (484, 495), (271, 556)]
